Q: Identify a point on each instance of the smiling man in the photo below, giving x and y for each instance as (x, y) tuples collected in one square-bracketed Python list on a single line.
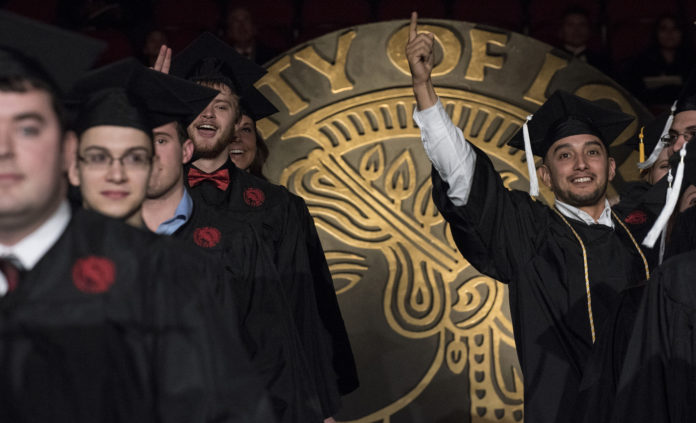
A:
[(121, 103), (564, 265), (214, 179)]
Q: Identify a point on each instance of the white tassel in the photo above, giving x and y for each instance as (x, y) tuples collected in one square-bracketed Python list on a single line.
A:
[(670, 204), (531, 168), (659, 146)]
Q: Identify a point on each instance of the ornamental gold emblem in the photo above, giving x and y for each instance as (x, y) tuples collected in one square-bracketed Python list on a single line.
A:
[(432, 337)]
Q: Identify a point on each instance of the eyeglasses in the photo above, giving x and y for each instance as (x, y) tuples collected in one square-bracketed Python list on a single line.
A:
[(671, 139), (99, 159)]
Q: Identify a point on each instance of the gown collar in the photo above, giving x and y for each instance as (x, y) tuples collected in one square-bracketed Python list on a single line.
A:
[(575, 213), (29, 250)]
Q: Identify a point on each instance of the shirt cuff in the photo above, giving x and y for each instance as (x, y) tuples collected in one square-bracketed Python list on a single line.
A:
[(448, 150)]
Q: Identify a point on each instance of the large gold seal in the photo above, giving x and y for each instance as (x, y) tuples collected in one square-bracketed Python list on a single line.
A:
[(432, 337)]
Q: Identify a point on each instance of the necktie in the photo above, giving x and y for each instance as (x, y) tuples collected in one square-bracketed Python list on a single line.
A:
[(220, 178), (10, 271)]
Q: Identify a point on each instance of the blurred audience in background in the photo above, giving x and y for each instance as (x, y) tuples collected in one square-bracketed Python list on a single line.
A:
[(612, 35), (656, 75), (240, 31), (574, 35)]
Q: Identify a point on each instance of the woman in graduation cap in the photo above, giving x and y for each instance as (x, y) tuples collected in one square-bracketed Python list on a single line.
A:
[(564, 265)]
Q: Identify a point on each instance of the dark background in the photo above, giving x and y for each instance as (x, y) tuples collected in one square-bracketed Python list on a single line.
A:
[(622, 38)]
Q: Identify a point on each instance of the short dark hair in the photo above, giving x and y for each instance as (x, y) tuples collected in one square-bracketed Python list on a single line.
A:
[(19, 84), (575, 9)]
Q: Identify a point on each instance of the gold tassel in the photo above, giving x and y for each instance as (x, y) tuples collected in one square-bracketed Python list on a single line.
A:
[(641, 146)]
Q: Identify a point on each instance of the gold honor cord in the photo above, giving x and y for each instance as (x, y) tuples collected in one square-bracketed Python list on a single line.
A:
[(586, 269)]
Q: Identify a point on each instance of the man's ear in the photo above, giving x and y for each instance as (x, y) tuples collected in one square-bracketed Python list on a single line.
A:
[(545, 175), (612, 168), (70, 158), (186, 151)]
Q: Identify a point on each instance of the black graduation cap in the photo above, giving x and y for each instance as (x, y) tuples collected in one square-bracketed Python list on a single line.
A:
[(565, 114), (687, 97), (36, 50), (208, 58), (126, 93), (195, 95)]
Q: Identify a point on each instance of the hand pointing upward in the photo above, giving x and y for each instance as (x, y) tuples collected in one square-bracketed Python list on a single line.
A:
[(419, 53)]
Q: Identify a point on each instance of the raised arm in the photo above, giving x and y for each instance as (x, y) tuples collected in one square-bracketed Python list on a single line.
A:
[(419, 52), (444, 143)]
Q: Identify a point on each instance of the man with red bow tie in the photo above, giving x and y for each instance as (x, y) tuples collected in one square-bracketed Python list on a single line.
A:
[(213, 179)]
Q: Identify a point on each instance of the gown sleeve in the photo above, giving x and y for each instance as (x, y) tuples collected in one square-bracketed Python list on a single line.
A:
[(497, 230), (346, 373)]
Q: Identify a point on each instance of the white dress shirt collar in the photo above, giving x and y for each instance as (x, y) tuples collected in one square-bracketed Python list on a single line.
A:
[(29, 250), (575, 213)]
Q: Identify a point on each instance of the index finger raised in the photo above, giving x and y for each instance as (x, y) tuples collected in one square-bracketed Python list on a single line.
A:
[(413, 30)]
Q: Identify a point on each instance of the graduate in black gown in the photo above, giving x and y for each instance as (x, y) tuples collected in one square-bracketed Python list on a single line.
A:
[(249, 152), (99, 321), (215, 180), (564, 265), (268, 329), (646, 371)]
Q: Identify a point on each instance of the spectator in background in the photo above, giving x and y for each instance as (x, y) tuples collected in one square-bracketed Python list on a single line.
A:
[(240, 32), (151, 48), (574, 34), (657, 74)]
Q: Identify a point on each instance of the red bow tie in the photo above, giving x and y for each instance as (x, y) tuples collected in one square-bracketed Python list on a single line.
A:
[(220, 178)]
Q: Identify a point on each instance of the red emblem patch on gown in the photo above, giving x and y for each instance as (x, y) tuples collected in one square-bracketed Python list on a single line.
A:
[(637, 217), (93, 274), (254, 197), (207, 237)]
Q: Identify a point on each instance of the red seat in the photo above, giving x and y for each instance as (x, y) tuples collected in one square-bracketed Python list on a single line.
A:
[(186, 14), (40, 10), (401, 9), (628, 39), (320, 17), (118, 45), (505, 14)]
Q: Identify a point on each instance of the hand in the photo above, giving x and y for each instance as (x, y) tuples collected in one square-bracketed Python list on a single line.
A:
[(164, 60), (419, 52)]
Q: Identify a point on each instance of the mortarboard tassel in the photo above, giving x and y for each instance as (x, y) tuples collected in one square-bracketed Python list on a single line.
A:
[(644, 164), (672, 197), (531, 167), (641, 146)]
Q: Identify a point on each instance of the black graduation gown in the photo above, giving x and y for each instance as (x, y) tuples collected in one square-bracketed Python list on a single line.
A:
[(268, 328), (330, 312), (115, 324), (605, 369), (657, 378), (269, 208), (601, 374), (525, 244), (639, 206)]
